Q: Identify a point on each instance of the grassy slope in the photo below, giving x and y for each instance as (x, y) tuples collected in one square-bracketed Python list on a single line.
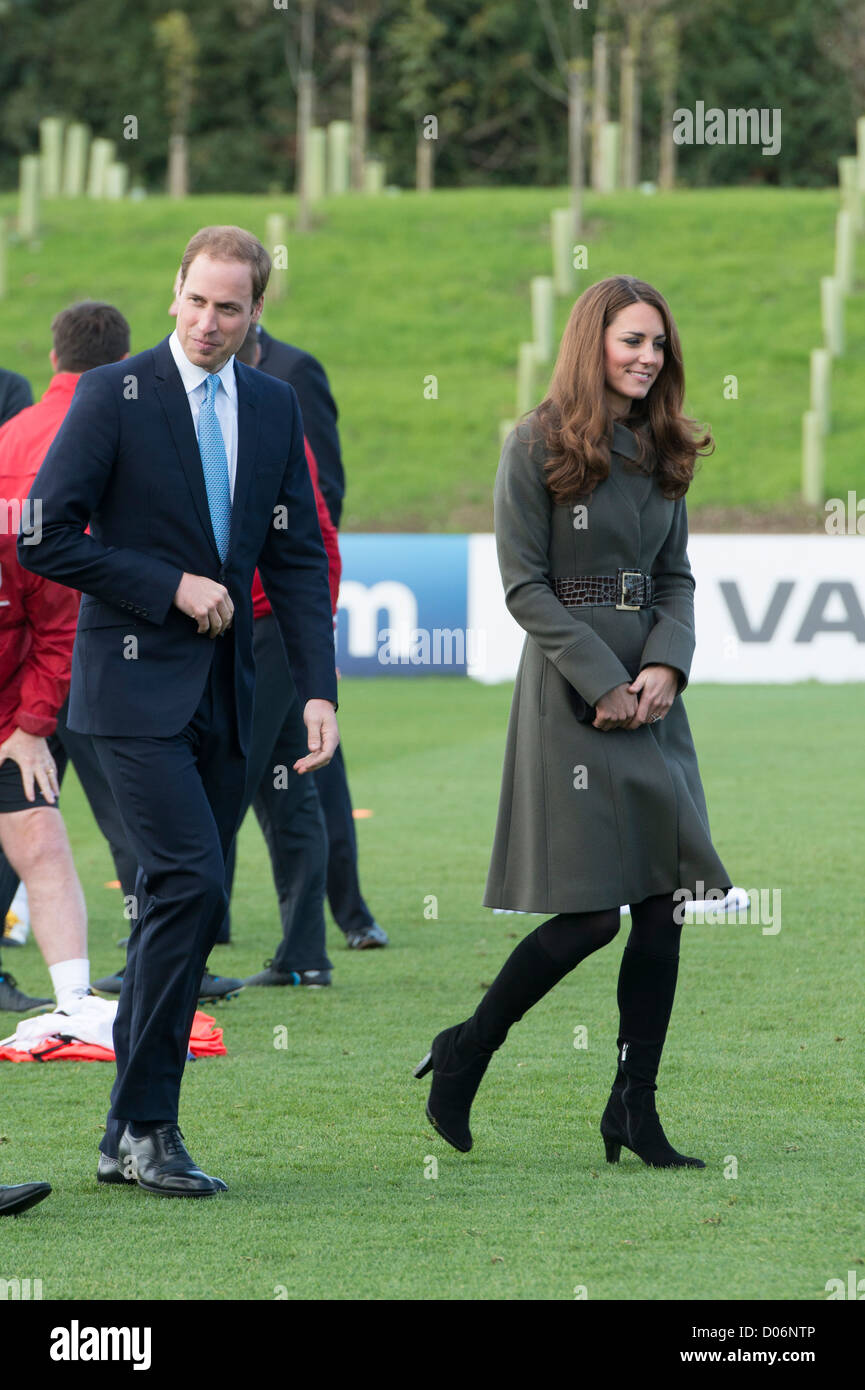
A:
[(390, 290), (324, 1144)]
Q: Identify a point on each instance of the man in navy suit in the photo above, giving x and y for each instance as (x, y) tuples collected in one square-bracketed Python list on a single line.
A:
[(189, 470)]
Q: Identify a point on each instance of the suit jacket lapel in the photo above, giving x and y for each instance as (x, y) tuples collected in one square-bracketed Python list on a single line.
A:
[(248, 423), (169, 389)]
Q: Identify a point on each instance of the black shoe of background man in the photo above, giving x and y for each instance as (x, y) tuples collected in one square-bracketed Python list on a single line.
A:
[(12, 1001), (212, 986), (312, 979), (159, 1163), (109, 1172), (365, 938), (24, 1195)]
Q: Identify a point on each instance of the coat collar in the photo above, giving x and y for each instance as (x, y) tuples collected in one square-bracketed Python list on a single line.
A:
[(172, 394), (624, 441)]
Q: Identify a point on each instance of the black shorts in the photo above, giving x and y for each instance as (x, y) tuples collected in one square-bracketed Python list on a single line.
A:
[(12, 796)]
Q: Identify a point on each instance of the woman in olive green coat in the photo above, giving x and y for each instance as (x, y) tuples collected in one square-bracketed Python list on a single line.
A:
[(601, 800)]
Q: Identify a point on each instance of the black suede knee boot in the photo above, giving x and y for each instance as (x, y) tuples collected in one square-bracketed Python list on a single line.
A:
[(647, 987), (459, 1056)]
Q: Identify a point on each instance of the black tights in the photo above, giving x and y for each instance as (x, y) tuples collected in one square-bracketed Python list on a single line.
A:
[(554, 948), (571, 936)]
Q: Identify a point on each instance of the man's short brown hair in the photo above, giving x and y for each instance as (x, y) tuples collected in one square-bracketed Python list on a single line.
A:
[(89, 334), (230, 244)]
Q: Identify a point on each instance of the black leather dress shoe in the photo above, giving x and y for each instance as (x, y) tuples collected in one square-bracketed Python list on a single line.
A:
[(159, 1163), (26, 1194), (110, 1170)]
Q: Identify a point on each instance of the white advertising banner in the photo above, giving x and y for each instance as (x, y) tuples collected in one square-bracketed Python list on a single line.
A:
[(768, 609)]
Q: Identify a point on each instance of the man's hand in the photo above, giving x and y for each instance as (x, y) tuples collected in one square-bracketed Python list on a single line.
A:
[(207, 602), (33, 756), (616, 709), (657, 686), (319, 716)]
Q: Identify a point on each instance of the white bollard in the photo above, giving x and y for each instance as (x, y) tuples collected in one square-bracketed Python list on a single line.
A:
[(276, 241), (28, 197), (845, 251), (373, 176), (821, 374), (505, 427), (832, 313), (562, 237), (542, 315), (116, 179), (852, 197), (316, 144), (610, 150), (812, 459), (75, 160), (50, 152), (338, 156), (101, 159), (527, 373)]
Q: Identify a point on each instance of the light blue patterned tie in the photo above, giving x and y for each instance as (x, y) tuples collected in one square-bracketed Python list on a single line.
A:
[(215, 463)]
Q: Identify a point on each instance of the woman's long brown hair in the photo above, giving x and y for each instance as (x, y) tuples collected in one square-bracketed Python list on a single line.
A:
[(574, 420)]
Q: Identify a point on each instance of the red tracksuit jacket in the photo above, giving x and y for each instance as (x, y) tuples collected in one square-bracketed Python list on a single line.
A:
[(37, 617)]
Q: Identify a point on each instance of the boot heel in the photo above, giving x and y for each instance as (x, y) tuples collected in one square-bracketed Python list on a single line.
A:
[(423, 1067), (613, 1148)]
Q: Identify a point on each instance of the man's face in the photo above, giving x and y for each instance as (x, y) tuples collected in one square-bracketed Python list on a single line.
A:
[(214, 310)]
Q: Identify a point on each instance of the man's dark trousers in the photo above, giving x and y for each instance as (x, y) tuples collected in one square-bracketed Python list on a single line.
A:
[(180, 798), (287, 806)]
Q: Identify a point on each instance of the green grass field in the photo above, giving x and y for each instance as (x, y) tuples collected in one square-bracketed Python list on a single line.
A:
[(388, 291), (324, 1144)]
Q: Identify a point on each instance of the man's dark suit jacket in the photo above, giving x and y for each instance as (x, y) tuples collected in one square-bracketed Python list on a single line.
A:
[(15, 394), (318, 408), (126, 463)]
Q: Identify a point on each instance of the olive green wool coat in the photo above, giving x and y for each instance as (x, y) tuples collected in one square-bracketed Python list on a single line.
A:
[(587, 819)]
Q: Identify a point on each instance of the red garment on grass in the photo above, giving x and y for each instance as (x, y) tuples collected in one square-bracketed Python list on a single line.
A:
[(260, 605), (37, 617), (205, 1040)]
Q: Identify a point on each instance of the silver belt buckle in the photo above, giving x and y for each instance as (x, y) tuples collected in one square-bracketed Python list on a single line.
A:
[(624, 575)]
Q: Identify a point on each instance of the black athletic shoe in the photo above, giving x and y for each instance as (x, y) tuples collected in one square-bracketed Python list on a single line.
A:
[(366, 938), (212, 986), (12, 1001), (218, 987), (270, 976), (110, 984)]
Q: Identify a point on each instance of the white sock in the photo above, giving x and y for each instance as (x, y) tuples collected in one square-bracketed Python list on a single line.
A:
[(71, 981)]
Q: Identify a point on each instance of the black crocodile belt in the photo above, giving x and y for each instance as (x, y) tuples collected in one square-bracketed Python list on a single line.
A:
[(628, 589)]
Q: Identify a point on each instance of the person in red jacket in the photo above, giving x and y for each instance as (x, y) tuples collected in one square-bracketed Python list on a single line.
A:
[(38, 620)]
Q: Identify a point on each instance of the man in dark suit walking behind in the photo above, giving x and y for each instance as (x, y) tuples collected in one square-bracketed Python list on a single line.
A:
[(189, 469)]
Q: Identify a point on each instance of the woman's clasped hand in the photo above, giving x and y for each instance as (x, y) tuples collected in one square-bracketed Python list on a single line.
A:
[(645, 700)]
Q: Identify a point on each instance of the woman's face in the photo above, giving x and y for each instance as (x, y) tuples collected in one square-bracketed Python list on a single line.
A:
[(633, 355)]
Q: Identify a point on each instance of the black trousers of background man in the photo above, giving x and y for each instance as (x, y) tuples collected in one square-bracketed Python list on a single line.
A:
[(287, 806), (180, 799)]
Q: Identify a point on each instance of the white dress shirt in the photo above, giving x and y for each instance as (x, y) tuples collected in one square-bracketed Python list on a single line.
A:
[(225, 400)]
